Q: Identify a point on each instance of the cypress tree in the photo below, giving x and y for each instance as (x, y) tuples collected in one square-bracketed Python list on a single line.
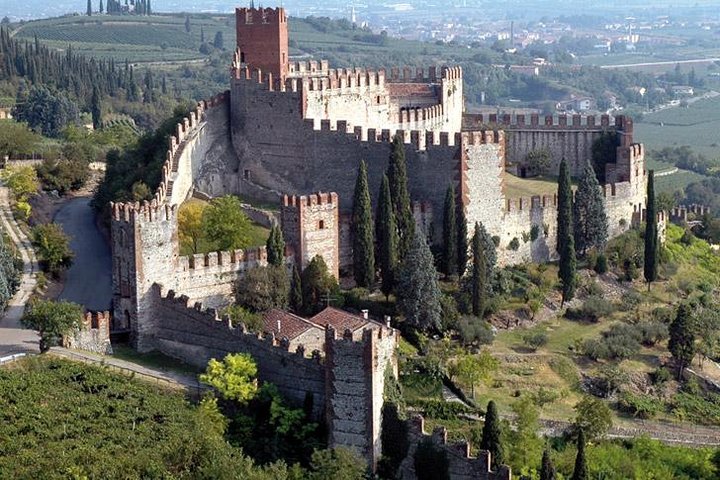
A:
[(296, 297), (202, 34), (362, 232), (89, 8), (450, 243), (275, 246), (590, 221), (387, 238), (682, 337), (490, 252), (479, 275), (651, 233), (96, 109), (102, 9), (397, 175), (581, 471), (187, 24), (148, 8), (462, 240), (565, 240), (547, 469), (565, 200), (164, 85), (491, 436)]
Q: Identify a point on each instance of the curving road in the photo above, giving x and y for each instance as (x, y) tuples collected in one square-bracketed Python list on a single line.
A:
[(88, 281)]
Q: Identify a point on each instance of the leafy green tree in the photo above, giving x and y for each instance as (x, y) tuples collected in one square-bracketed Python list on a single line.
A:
[(190, 224), (397, 176), (682, 337), (524, 443), (263, 288), (52, 320), (387, 238), (47, 111), (22, 181), (275, 246), (53, 247), (362, 232), (565, 241), (296, 294), (538, 161), (418, 290), (235, 377), (580, 472), (492, 436), (431, 462), (593, 418), (479, 279), (472, 369), (591, 227), (336, 464), (547, 469), (449, 255), (462, 239), (317, 284), (17, 139), (10, 273), (651, 234), (238, 314), (226, 224), (604, 151)]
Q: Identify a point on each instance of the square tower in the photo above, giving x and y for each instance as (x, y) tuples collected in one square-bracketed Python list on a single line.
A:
[(262, 39), (311, 225)]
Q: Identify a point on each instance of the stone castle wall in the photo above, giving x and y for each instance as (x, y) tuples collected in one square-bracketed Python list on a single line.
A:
[(93, 336), (461, 465)]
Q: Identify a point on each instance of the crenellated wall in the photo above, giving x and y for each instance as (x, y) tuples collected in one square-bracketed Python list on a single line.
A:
[(461, 465), (93, 336)]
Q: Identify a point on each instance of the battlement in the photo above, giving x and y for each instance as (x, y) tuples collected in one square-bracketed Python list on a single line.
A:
[(680, 213), (208, 317), (319, 198), (309, 68), (533, 121), (254, 16), (148, 211), (424, 75), (234, 260), (93, 335), (332, 335), (525, 204), (461, 463), (97, 321)]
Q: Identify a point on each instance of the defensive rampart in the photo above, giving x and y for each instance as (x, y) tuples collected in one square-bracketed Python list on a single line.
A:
[(93, 336), (461, 465)]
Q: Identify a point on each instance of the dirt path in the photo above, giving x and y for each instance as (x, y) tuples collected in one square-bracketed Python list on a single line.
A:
[(13, 337)]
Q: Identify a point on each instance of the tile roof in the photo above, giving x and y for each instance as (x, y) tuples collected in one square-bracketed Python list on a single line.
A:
[(340, 320), (285, 324)]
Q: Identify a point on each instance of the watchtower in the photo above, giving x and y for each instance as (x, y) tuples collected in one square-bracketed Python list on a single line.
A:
[(262, 39)]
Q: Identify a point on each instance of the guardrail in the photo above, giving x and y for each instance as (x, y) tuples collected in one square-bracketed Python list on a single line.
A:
[(11, 358)]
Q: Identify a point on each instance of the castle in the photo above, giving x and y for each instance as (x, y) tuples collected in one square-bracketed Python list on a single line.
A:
[(293, 133)]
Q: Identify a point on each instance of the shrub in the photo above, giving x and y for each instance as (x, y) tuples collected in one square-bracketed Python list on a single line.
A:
[(640, 406), (535, 339), (544, 396), (601, 265), (514, 244), (442, 410), (263, 288), (660, 376), (53, 247), (474, 329), (237, 315), (620, 342), (653, 332), (593, 309), (534, 232), (630, 301)]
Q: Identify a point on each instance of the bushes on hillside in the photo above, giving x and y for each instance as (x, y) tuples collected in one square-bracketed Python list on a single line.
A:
[(53, 247)]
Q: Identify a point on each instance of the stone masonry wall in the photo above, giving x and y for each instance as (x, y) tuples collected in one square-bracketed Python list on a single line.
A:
[(195, 335), (462, 466), (94, 336)]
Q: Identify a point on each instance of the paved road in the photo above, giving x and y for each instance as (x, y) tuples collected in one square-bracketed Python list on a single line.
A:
[(13, 337), (88, 280)]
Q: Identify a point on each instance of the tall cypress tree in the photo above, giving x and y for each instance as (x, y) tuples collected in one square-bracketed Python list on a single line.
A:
[(547, 469), (590, 221), (682, 337), (96, 108), (581, 471), (89, 8), (565, 240), (275, 246), (296, 297), (387, 238), (148, 8), (397, 175), (491, 436), (462, 239), (102, 8), (565, 200), (479, 274), (362, 232), (450, 243), (651, 233)]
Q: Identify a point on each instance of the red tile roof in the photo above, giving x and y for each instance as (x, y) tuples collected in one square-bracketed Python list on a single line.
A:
[(285, 324), (340, 320)]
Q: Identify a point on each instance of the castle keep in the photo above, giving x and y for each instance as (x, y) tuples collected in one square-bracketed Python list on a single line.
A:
[(293, 134)]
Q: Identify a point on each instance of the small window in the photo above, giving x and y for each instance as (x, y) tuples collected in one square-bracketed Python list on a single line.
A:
[(283, 57), (246, 174), (321, 225), (378, 99)]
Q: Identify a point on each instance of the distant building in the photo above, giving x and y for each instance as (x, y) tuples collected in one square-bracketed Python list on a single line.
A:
[(579, 104), (5, 113), (529, 70), (683, 90)]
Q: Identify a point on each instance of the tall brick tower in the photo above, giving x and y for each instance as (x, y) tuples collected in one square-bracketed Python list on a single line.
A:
[(262, 39)]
